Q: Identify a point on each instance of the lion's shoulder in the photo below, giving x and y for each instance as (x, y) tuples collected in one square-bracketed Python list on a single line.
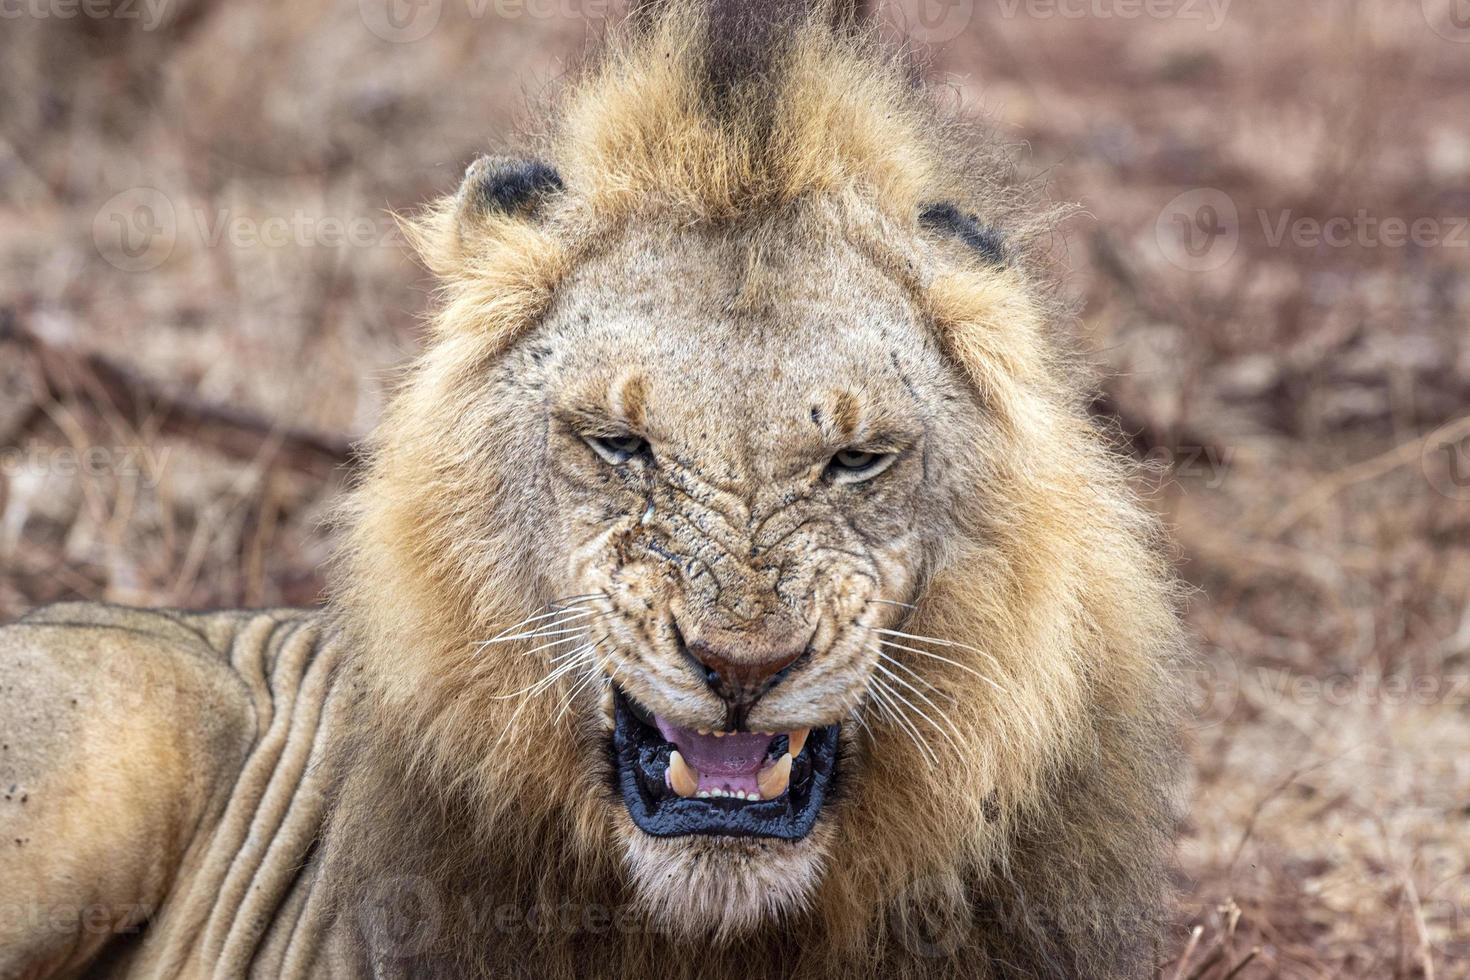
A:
[(150, 754)]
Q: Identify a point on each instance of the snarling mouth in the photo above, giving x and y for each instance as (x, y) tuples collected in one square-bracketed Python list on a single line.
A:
[(678, 781)]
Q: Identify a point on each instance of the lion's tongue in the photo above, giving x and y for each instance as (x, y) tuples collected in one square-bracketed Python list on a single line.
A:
[(730, 762)]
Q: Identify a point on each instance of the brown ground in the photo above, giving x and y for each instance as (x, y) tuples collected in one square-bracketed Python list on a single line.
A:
[(173, 408)]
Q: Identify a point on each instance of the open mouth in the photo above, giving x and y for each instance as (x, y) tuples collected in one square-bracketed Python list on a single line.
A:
[(678, 781)]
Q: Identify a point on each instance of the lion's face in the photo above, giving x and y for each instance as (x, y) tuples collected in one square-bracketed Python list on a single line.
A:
[(750, 461)]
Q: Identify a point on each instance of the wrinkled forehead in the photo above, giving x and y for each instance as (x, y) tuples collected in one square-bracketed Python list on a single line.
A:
[(765, 340)]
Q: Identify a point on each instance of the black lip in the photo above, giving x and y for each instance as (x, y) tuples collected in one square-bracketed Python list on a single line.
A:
[(642, 758)]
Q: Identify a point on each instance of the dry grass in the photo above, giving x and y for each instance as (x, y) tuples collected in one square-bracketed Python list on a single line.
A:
[(172, 435)]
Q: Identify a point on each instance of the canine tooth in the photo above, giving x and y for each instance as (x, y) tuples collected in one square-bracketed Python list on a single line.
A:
[(682, 779), (798, 740), (773, 781)]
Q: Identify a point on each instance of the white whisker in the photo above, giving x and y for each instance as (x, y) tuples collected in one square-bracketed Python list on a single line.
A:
[(566, 653), (539, 686), (965, 667), (950, 734), (594, 671), (883, 696), (533, 619), (552, 629), (938, 642), (928, 685)]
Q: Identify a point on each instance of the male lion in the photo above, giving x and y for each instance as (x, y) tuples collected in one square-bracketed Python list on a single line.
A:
[(737, 588)]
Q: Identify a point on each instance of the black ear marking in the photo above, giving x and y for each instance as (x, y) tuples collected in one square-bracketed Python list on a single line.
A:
[(947, 218), (504, 185)]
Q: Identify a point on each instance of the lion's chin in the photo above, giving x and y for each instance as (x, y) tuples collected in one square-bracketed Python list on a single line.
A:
[(723, 887)]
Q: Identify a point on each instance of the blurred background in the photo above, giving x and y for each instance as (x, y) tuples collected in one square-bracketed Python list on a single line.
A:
[(203, 298)]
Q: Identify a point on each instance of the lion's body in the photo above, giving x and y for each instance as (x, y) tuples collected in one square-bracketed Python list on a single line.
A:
[(744, 268), (164, 778)]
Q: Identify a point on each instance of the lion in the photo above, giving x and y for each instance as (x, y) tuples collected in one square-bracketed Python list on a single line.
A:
[(737, 586)]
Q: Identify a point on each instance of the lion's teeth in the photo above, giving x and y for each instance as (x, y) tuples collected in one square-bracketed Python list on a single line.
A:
[(773, 781), (682, 779), (798, 740)]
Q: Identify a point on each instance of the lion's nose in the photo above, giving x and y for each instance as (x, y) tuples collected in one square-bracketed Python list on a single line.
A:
[(740, 670)]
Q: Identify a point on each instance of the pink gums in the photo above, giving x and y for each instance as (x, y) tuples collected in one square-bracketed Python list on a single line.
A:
[(730, 762)]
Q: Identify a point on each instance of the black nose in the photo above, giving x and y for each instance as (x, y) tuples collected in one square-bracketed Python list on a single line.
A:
[(740, 671)]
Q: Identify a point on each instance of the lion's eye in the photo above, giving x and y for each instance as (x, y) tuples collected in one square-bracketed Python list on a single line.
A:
[(856, 465), (617, 449)]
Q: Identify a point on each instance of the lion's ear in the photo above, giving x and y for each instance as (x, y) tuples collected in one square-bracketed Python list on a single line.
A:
[(497, 195), (946, 219), (504, 186)]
